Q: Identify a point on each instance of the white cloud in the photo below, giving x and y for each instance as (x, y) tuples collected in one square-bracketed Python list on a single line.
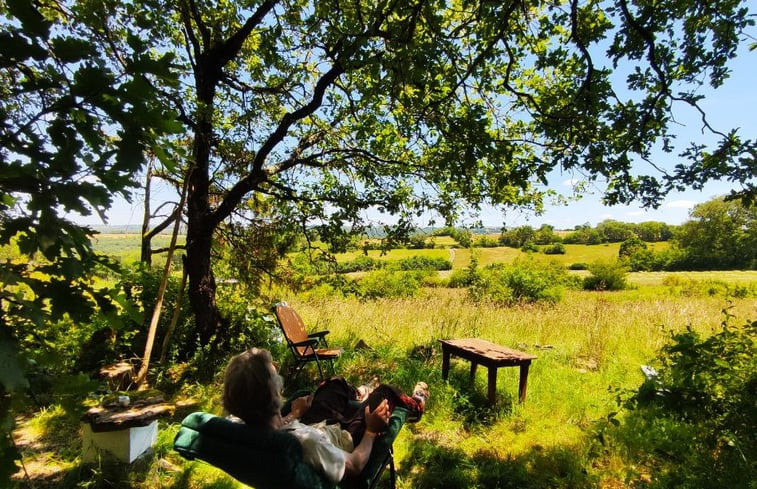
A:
[(681, 204), (635, 213)]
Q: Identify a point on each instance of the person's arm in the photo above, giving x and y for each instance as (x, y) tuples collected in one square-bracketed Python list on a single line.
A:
[(375, 422), (299, 407)]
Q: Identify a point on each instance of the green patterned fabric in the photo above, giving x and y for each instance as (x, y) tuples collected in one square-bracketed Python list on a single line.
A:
[(267, 459)]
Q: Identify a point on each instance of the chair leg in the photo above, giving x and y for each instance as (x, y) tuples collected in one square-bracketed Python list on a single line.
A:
[(333, 369), (320, 370), (392, 475), (388, 461)]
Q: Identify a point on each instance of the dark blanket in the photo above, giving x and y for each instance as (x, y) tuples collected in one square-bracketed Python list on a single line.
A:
[(335, 401)]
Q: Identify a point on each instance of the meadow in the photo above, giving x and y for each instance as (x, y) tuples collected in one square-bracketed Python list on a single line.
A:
[(590, 347)]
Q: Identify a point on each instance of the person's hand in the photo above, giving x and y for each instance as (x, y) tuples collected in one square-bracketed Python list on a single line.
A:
[(301, 405), (377, 420)]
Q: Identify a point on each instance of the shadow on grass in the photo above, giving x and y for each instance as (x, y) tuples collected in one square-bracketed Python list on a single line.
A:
[(429, 465), (471, 404), (141, 473)]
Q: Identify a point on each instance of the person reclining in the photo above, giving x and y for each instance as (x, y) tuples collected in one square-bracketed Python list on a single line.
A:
[(252, 392)]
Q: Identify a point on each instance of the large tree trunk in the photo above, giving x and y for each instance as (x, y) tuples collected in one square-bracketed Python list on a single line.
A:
[(200, 220), (202, 284)]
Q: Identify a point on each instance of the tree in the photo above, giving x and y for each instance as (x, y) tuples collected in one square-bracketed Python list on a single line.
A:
[(332, 107), (629, 247), (614, 231), (720, 234), (653, 231), (148, 231), (74, 124), (546, 235), (583, 234), (517, 237)]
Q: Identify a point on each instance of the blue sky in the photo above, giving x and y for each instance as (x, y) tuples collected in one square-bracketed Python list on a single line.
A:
[(734, 105)]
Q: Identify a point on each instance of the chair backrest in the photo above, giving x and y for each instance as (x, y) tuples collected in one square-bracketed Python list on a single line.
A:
[(272, 459), (291, 325), (264, 459)]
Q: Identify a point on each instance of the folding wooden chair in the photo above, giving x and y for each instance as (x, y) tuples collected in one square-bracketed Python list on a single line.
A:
[(305, 347)]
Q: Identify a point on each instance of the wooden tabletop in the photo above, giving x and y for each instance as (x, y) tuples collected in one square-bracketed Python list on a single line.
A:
[(487, 350), (139, 413)]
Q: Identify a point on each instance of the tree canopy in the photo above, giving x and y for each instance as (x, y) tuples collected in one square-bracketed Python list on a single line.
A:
[(720, 235), (327, 109)]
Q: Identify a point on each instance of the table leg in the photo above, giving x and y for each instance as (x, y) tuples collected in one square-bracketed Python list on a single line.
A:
[(523, 383), (492, 385), (473, 366), (445, 362)]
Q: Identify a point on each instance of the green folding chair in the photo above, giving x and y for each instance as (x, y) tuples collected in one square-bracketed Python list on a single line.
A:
[(267, 459)]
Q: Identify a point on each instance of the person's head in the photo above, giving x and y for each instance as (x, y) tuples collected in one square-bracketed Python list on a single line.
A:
[(252, 387)]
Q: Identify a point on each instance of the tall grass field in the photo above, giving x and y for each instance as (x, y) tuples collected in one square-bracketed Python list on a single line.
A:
[(590, 349)]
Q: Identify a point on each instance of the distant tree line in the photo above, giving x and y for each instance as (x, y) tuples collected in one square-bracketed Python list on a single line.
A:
[(720, 235), (608, 231)]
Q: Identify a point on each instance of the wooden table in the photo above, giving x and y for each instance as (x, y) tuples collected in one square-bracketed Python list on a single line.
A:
[(488, 354)]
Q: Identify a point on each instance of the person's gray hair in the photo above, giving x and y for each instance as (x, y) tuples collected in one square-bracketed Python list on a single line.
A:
[(251, 389)]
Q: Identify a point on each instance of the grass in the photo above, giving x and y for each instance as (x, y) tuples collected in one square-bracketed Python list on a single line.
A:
[(589, 346)]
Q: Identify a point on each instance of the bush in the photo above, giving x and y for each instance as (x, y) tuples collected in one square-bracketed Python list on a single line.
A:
[(630, 246), (643, 260), (555, 249), (422, 263), (700, 408), (530, 246), (386, 284), (524, 281), (465, 277), (419, 242), (606, 276), (486, 242), (463, 237), (360, 264), (578, 266)]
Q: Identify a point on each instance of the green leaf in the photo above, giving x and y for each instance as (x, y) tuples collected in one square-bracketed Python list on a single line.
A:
[(31, 19), (11, 374), (69, 49)]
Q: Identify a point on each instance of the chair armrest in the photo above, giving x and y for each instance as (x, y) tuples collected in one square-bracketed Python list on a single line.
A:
[(308, 342), (287, 407), (380, 454), (319, 334)]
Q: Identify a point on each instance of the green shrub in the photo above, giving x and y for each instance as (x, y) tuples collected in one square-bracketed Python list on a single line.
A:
[(523, 281), (463, 237), (530, 246), (387, 284), (465, 277), (643, 260), (630, 246), (360, 264), (554, 249), (578, 266), (486, 242), (700, 410), (421, 263), (606, 276)]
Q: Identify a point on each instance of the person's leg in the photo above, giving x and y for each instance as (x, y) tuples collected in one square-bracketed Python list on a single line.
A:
[(331, 402)]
